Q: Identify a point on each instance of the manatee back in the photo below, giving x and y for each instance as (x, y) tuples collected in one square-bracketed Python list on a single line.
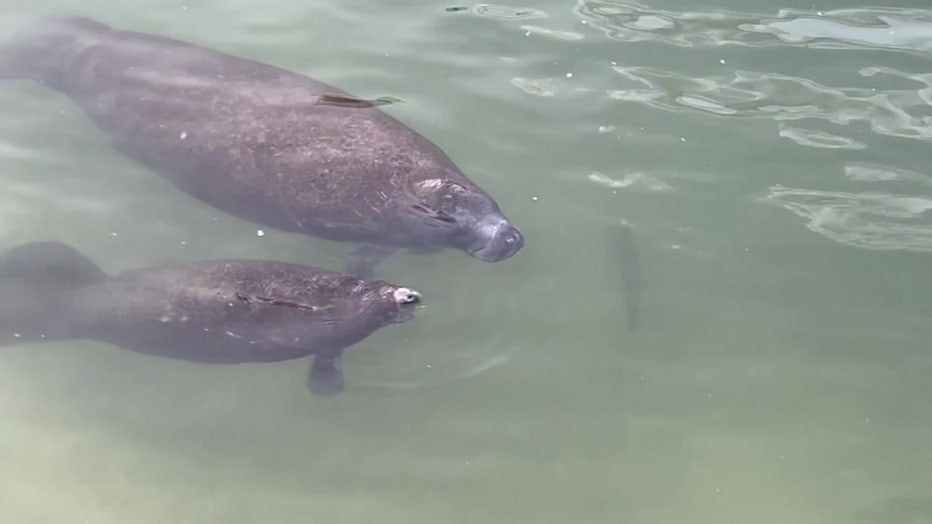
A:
[(228, 311), (252, 139)]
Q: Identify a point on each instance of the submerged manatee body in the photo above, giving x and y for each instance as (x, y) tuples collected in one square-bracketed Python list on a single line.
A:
[(264, 143), (219, 311)]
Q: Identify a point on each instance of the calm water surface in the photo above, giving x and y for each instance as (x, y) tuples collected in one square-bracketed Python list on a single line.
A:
[(772, 157)]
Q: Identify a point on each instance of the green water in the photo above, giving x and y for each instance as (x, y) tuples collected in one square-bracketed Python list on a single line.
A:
[(772, 158)]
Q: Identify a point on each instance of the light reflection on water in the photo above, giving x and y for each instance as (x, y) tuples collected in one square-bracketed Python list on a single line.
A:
[(774, 164)]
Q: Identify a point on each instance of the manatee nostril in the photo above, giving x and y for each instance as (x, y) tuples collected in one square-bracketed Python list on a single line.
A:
[(407, 296), (511, 237), (497, 241)]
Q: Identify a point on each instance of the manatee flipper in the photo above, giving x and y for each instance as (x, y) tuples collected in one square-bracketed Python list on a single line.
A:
[(326, 375), (34, 280), (363, 259)]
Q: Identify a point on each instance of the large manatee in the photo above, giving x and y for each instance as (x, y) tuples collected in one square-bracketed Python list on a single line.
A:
[(218, 311), (263, 143)]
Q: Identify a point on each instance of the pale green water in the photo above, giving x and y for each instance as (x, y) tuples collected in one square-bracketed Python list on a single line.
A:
[(772, 157)]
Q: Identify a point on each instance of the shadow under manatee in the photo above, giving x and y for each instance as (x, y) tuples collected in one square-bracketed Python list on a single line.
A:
[(625, 248)]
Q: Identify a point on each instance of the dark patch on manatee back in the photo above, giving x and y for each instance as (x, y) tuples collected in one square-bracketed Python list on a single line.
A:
[(250, 299), (354, 102)]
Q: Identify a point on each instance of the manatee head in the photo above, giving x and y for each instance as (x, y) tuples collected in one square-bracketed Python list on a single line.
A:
[(467, 218), (376, 303), (398, 303)]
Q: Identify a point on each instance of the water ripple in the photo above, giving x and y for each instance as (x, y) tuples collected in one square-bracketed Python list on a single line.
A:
[(552, 33), (535, 86), (635, 179), (635, 22), (463, 355), (504, 12), (870, 220), (870, 172), (893, 112), (818, 139), (892, 29)]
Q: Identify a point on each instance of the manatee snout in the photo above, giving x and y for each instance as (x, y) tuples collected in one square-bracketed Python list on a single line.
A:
[(496, 240), (404, 296), (406, 302)]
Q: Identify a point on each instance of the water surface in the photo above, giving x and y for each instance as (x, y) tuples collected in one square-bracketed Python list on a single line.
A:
[(773, 162)]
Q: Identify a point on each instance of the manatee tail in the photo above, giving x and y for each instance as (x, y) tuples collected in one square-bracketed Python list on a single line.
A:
[(630, 274), (44, 48), (36, 279)]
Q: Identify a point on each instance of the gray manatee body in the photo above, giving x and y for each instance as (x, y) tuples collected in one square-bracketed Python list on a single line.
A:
[(263, 143), (218, 311)]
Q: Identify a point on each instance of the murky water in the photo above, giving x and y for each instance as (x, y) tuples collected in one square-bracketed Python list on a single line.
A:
[(773, 161)]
